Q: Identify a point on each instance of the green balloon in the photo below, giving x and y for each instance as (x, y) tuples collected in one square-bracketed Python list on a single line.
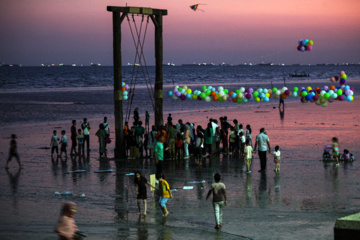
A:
[(203, 88), (296, 89), (202, 95), (274, 89), (179, 89), (220, 99), (256, 93), (237, 91), (226, 91), (208, 92), (304, 94), (339, 92), (239, 100)]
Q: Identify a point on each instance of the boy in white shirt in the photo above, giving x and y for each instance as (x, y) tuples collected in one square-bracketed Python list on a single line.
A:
[(63, 143), (54, 144)]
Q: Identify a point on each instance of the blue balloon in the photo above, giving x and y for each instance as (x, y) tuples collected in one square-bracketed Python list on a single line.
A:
[(262, 95), (266, 99), (170, 93), (188, 95), (347, 87), (233, 95), (308, 97), (348, 98)]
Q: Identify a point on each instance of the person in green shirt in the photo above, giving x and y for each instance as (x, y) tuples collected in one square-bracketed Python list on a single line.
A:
[(171, 139), (159, 153), (208, 137)]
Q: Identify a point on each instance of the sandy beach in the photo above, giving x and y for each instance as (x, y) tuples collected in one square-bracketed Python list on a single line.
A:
[(302, 202)]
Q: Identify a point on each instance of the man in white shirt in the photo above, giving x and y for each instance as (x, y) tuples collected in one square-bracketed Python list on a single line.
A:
[(214, 126), (86, 127), (262, 140)]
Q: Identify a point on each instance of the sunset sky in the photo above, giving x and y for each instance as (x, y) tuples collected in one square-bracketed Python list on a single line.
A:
[(232, 31)]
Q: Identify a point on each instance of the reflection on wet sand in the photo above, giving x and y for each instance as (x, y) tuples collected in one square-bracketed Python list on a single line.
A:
[(14, 182)]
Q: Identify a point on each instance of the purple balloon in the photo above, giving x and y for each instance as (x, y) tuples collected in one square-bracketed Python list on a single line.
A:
[(126, 86), (351, 88), (182, 97), (342, 81), (347, 92), (287, 92), (251, 90), (312, 100), (319, 91), (178, 94), (247, 90), (330, 100), (199, 98), (341, 97), (229, 99), (248, 96), (315, 97), (342, 87), (326, 88)]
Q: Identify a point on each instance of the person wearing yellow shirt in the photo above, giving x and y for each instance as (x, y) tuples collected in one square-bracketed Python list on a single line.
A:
[(165, 193)]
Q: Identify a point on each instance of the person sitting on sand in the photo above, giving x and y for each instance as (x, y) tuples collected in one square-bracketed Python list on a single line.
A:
[(140, 189), (13, 152), (347, 156), (326, 154)]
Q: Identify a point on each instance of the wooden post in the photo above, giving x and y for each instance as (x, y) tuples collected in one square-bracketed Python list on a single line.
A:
[(118, 111), (159, 73)]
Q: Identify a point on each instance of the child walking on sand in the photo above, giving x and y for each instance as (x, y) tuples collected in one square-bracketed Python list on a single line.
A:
[(63, 143), (54, 144), (277, 159), (165, 193), (248, 155), (219, 199), (335, 147), (13, 152)]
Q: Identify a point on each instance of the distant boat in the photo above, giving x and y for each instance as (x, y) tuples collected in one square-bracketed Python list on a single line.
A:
[(169, 64), (299, 75), (265, 64), (95, 64), (74, 65)]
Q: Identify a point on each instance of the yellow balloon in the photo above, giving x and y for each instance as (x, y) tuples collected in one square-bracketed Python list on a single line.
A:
[(310, 42), (185, 87), (189, 90)]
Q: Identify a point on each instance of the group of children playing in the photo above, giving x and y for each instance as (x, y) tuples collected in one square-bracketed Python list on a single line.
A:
[(335, 154), (63, 142)]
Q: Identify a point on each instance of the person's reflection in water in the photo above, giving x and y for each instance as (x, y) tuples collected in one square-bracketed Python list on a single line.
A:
[(248, 190), (263, 196), (142, 229), (282, 109), (55, 166), (120, 203), (104, 165), (14, 182), (277, 186)]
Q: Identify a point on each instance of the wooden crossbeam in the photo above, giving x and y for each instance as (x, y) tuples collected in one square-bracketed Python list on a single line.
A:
[(137, 10)]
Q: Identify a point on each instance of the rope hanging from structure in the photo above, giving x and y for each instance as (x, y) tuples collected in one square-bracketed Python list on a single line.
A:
[(140, 57)]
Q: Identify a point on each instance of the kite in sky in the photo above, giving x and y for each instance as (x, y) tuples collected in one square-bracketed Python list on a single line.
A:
[(195, 7)]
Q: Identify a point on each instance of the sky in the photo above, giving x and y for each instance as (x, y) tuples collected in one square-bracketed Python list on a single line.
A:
[(232, 31)]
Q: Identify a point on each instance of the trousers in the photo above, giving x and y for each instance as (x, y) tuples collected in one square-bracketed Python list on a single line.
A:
[(262, 156), (218, 212)]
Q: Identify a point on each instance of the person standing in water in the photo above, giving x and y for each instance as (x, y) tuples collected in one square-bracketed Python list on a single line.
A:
[(86, 130), (165, 193), (13, 152), (140, 189), (219, 199), (73, 138)]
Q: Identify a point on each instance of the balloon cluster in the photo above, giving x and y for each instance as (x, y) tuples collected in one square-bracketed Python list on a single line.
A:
[(305, 45), (124, 89), (342, 78), (325, 95), (320, 96)]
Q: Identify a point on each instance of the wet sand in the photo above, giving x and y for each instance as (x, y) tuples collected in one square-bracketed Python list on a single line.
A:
[(302, 202)]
